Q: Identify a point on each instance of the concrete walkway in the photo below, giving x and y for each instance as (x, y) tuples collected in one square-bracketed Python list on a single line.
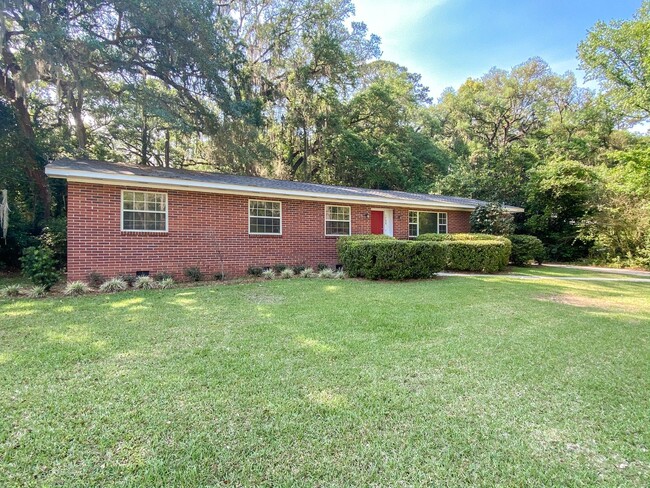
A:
[(630, 272), (561, 278)]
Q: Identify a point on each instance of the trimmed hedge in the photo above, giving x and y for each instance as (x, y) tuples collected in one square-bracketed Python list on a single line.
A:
[(391, 259), (363, 237), (473, 252), (526, 248)]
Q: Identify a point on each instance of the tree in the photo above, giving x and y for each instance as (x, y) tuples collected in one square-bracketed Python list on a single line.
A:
[(618, 56)]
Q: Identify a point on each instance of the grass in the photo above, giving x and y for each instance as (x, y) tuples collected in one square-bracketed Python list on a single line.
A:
[(457, 381)]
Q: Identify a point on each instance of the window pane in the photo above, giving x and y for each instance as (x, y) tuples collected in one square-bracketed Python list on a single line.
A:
[(428, 223), (264, 225), (338, 213), (413, 230), (145, 211), (337, 228), (413, 217)]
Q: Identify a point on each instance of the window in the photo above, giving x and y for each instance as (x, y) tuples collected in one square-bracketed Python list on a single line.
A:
[(337, 221), (144, 211), (427, 223), (264, 217)]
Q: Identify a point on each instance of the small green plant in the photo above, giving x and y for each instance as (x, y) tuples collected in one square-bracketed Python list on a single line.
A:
[(166, 283), (193, 273), (113, 285), (287, 273), (218, 276), (298, 269), (526, 248), (10, 291), (162, 275), (145, 283), (75, 288), (326, 273), (279, 268), (339, 275), (268, 274), (255, 271), (321, 266), (128, 279), (38, 291), (39, 265), (95, 279), (307, 273)]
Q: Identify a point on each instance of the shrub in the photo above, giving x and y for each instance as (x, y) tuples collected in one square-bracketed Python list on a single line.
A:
[(339, 275), (307, 273), (392, 259), (268, 274), (279, 268), (162, 275), (219, 276), (74, 288), (287, 273), (193, 273), (95, 279), (145, 283), (10, 291), (326, 273), (166, 283), (473, 252), (39, 265), (298, 269), (128, 279), (321, 266), (113, 285), (492, 218), (38, 291), (255, 271), (364, 237), (479, 256), (526, 248)]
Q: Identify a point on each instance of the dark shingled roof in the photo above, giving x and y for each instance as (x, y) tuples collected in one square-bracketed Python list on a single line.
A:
[(113, 170)]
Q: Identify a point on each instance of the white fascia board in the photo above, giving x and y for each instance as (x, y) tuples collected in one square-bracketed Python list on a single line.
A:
[(201, 186)]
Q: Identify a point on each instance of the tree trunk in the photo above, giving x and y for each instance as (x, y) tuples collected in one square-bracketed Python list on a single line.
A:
[(144, 140), (166, 148)]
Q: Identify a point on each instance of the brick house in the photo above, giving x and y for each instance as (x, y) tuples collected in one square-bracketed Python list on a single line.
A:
[(125, 219)]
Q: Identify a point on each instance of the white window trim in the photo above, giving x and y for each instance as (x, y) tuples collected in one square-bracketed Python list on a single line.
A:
[(418, 212), (122, 229), (249, 218), (331, 220)]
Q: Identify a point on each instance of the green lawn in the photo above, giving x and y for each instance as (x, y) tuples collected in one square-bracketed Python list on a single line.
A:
[(477, 381), (559, 271)]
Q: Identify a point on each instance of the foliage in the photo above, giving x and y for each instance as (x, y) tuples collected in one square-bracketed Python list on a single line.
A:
[(255, 270), (618, 56), (268, 274), (392, 259), (307, 273), (128, 279), (95, 279), (193, 273), (218, 276), (166, 283), (279, 268), (145, 283), (526, 248), (321, 266), (297, 269), (491, 218), (75, 288), (162, 275), (473, 252), (39, 265), (37, 291), (287, 273), (11, 291), (560, 194), (113, 285), (326, 273)]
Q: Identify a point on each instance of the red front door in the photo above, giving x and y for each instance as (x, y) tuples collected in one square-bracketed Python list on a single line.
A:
[(377, 222)]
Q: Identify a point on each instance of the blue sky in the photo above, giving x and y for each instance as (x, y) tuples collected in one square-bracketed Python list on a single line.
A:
[(447, 41)]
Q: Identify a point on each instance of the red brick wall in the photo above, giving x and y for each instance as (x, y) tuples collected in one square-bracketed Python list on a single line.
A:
[(207, 230)]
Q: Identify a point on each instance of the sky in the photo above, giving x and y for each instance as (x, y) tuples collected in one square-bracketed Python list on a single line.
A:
[(448, 41)]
